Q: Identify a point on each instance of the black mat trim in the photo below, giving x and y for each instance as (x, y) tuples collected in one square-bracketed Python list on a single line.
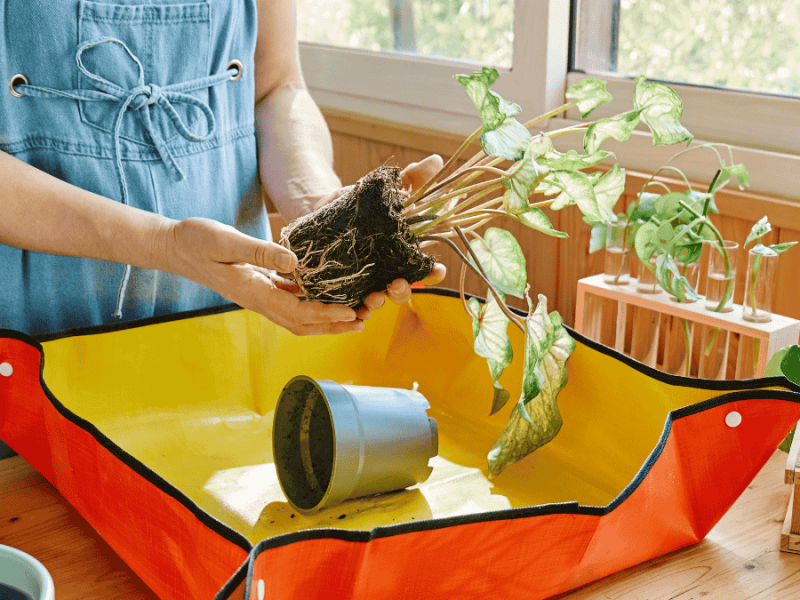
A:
[(140, 468)]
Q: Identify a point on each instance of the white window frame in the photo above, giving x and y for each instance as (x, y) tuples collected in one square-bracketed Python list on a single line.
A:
[(421, 92)]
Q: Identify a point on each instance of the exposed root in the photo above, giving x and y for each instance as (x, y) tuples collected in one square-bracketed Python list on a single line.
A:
[(357, 244)]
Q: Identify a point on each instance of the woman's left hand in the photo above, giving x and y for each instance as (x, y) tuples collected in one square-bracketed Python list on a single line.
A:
[(399, 291)]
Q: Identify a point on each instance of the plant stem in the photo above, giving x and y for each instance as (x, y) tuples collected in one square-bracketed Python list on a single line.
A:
[(552, 113), (466, 144), (726, 259), (461, 279), (688, 342), (486, 188), (557, 132), (455, 176), (495, 293)]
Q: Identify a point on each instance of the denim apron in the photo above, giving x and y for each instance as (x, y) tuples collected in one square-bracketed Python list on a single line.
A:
[(146, 102)]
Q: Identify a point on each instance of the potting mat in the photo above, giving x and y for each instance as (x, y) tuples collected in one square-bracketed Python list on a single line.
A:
[(159, 433)]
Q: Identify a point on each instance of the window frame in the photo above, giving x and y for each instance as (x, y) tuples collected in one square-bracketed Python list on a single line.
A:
[(420, 92)]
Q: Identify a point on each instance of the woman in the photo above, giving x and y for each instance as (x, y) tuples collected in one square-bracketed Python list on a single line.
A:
[(135, 138)]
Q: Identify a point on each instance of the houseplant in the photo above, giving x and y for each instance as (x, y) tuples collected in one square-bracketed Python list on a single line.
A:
[(376, 232)]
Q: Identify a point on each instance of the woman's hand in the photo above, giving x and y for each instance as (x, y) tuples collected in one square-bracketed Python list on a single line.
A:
[(236, 266), (412, 177)]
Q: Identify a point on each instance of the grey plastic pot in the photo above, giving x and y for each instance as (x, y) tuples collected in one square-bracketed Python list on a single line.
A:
[(333, 442)]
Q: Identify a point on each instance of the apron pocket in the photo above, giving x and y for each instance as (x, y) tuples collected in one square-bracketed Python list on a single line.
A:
[(171, 41)]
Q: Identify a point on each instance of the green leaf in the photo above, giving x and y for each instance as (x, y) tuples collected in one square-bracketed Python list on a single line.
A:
[(697, 201), (547, 348), (726, 172), (645, 242), (578, 189), (780, 248), (572, 161), (671, 280), (501, 257), (790, 364), (598, 239), (590, 93), (668, 206), (528, 173), (509, 140), (760, 229), (536, 219), (490, 331), (661, 108), (492, 109), (609, 189), (618, 127), (646, 207)]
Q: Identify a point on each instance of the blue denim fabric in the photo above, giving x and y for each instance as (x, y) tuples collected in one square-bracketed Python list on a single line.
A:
[(76, 134)]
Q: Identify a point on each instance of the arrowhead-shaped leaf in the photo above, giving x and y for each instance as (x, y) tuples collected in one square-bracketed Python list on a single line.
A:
[(609, 189), (760, 229), (492, 109), (618, 127), (490, 330), (547, 348), (509, 140), (571, 160), (577, 189), (501, 257), (598, 239), (661, 108), (528, 173), (536, 219), (590, 93), (779, 248)]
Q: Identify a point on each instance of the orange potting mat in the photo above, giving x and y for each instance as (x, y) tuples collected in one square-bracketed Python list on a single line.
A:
[(159, 433)]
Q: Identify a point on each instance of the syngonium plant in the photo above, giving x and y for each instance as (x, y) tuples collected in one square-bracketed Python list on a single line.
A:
[(515, 165)]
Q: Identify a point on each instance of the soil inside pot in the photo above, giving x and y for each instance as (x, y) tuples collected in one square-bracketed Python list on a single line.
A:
[(357, 244)]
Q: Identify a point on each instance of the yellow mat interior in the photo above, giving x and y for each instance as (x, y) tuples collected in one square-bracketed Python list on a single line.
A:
[(193, 400)]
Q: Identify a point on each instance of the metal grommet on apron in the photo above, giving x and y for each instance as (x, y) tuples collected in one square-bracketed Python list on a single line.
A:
[(18, 79), (235, 64), (141, 94)]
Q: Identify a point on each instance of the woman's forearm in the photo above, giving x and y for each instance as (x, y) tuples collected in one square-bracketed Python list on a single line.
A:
[(295, 151), (42, 213)]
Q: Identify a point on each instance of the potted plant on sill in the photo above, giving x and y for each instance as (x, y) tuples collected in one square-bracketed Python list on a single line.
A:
[(377, 232)]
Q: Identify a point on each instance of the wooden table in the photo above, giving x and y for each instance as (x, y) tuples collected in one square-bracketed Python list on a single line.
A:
[(739, 560)]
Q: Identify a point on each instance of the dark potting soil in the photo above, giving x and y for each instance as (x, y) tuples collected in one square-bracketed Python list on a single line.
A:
[(357, 244)]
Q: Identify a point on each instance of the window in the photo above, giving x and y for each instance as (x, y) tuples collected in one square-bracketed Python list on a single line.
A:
[(737, 64), (396, 59), (731, 44), (480, 31)]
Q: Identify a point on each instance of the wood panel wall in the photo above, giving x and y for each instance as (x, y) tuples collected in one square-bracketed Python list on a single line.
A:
[(555, 265)]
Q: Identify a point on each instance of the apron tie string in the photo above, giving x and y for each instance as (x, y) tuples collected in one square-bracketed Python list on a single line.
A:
[(141, 100)]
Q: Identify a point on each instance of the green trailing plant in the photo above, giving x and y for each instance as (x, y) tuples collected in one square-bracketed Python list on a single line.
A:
[(673, 227), (515, 175)]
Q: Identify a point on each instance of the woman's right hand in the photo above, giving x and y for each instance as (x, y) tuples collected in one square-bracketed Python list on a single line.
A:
[(237, 267)]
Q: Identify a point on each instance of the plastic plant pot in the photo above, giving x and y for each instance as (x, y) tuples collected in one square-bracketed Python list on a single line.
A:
[(333, 442), (22, 577)]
